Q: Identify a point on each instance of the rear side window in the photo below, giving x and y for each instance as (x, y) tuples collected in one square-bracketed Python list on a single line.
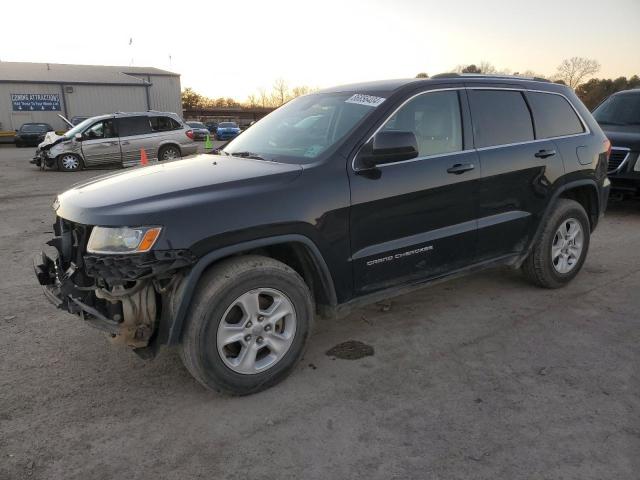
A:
[(163, 124), (500, 117), (434, 118), (129, 126), (553, 116)]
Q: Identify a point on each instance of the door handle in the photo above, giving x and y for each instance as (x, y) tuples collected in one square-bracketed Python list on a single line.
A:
[(545, 153), (459, 168)]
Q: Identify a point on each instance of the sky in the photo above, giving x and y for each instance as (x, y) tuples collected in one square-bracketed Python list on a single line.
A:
[(232, 48)]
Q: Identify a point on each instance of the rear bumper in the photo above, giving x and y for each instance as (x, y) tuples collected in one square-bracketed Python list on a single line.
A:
[(189, 149), (227, 136)]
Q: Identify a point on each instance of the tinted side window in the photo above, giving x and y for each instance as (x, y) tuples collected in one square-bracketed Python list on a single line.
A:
[(499, 117), (434, 118), (163, 124), (128, 126), (553, 115)]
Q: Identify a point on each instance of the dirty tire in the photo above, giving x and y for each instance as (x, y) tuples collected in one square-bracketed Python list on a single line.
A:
[(538, 267), (69, 162), (170, 152), (217, 290)]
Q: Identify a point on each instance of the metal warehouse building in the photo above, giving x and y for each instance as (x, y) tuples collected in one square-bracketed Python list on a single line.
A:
[(38, 92)]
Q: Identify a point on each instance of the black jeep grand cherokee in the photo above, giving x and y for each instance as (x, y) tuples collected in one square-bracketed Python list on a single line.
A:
[(338, 198)]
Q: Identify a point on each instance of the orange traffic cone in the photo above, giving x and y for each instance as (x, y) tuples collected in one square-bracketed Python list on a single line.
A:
[(143, 157)]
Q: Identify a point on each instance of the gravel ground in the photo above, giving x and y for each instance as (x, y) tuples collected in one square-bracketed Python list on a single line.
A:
[(480, 377)]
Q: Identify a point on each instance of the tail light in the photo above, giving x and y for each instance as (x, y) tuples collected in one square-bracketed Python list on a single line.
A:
[(189, 134)]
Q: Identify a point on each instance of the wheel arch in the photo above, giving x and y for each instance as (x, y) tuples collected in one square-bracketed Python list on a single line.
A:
[(586, 194), (585, 190), (297, 251), (169, 143)]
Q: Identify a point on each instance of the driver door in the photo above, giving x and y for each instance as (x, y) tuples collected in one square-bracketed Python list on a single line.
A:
[(416, 219), (100, 144)]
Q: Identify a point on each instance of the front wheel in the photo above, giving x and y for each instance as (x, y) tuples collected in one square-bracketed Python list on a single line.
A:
[(248, 325), (560, 251), (69, 162)]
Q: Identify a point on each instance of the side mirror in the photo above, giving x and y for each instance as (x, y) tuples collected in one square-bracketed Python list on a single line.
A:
[(78, 137), (387, 147)]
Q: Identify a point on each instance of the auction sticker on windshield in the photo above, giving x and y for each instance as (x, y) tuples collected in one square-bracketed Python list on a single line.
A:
[(368, 100)]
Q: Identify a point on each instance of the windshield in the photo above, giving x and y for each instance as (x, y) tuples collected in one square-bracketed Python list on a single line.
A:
[(34, 127), (228, 125), (196, 124), (302, 129), (619, 110), (78, 128)]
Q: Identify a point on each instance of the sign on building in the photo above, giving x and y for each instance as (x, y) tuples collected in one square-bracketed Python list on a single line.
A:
[(31, 102)]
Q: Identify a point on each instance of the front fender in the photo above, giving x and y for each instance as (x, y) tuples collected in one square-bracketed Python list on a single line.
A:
[(173, 317)]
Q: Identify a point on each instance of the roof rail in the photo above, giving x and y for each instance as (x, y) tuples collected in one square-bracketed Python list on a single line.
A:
[(489, 75)]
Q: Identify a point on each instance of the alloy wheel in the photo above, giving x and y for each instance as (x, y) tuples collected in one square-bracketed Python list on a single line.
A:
[(256, 331), (170, 154), (70, 162), (566, 248)]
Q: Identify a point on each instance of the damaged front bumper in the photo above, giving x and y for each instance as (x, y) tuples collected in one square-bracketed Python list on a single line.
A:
[(42, 158), (122, 295)]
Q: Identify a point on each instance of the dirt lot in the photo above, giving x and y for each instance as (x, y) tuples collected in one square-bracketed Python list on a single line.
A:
[(482, 377)]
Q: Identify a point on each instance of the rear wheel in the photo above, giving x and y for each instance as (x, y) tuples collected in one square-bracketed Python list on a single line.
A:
[(69, 162), (248, 325), (560, 252), (170, 152)]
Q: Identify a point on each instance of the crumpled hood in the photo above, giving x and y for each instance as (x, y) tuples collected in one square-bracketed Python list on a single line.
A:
[(49, 139), (168, 192)]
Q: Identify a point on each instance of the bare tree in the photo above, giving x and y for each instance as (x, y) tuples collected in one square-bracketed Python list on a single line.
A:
[(470, 69), (280, 91), (264, 99), (301, 90), (576, 69), (487, 68), (422, 75), (252, 100)]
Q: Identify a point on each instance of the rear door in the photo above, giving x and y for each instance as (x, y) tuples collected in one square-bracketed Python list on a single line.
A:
[(414, 219), (136, 135), (556, 119), (517, 170), (100, 144)]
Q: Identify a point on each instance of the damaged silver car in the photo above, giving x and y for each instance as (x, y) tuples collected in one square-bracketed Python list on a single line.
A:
[(116, 140)]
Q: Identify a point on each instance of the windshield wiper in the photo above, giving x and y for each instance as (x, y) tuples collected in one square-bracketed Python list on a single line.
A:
[(255, 156)]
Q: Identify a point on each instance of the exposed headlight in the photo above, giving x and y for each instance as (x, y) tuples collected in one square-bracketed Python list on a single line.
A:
[(122, 239)]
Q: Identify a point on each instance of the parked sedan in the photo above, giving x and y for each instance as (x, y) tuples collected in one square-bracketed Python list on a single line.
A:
[(31, 134), (200, 132), (227, 130)]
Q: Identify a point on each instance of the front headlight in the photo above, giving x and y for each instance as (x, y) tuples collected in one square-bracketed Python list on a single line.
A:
[(636, 167), (122, 239)]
